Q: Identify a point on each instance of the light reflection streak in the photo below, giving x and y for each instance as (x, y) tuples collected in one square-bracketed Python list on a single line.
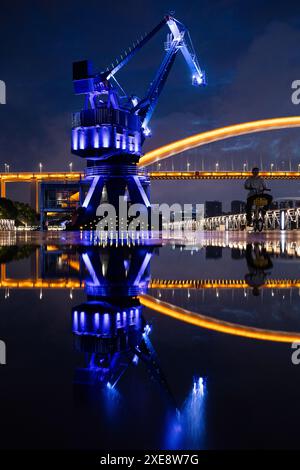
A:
[(214, 324), (185, 429)]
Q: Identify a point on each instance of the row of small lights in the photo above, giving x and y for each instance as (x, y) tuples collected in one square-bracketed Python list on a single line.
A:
[(41, 293), (188, 292), (70, 167), (6, 167), (217, 166), (246, 292)]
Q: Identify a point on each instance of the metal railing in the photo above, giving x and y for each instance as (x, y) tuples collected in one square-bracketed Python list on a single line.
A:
[(7, 224), (279, 219), (104, 116)]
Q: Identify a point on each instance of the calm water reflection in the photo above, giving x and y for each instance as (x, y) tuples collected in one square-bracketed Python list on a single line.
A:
[(90, 365)]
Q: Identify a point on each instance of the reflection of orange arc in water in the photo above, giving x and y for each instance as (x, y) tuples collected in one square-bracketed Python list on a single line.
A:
[(214, 324), (217, 134)]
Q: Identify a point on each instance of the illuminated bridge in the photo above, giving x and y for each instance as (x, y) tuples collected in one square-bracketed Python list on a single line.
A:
[(221, 175), (161, 284), (215, 135), (35, 179), (75, 196), (69, 184), (174, 311), (214, 324), (220, 284), (184, 315)]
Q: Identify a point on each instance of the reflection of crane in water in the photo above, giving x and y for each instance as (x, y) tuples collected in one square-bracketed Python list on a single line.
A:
[(109, 327), (51, 278), (111, 332)]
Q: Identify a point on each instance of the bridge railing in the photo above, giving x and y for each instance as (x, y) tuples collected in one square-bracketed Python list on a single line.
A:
[(279, 219), (7, 224)]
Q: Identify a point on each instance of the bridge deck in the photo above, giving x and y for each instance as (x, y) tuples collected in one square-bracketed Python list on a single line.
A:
[(23, 177), (221, 175), (8, 283)]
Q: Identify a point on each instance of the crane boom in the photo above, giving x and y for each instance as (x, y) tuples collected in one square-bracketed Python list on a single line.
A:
[(140, 43), (145, 107), (105, 82), (175, 42)]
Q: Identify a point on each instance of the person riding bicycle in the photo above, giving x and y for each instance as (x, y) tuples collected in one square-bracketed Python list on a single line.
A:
[(256, 186)]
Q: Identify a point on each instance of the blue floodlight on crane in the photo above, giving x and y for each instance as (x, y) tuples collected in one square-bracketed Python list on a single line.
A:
[(111, 128)]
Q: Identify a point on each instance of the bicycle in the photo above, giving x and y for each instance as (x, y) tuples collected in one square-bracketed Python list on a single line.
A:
[(259, 214)]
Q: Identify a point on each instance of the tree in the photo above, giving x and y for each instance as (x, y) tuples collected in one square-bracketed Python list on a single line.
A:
[(21, 212), (7, 209)]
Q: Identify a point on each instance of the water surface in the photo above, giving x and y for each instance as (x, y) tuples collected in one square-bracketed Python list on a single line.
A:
[(89, 367)]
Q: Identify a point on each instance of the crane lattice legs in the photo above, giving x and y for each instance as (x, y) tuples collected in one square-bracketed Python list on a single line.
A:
[(115, 189)]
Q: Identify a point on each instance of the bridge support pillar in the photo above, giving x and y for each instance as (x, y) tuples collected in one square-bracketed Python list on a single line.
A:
[(3, 272), (34, 195), (35, 265), (3, 188)]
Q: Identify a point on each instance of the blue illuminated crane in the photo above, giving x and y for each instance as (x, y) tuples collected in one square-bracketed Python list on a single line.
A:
[(110, 130), (109, 327)]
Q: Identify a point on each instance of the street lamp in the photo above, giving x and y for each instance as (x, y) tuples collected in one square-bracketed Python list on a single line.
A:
[(298, 166), (188, 166), (41, 167), (245, 166), (272, 165), (217, 166), (70, 166), (6, 167)]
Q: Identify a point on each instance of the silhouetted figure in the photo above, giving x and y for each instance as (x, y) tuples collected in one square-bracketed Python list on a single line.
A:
[(258, 262), (256, 186)]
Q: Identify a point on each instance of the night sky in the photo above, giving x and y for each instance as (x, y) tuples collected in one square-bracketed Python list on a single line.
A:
[(249, 50)]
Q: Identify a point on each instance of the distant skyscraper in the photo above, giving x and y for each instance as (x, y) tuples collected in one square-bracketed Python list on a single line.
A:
[(213, 208), (238, 207)]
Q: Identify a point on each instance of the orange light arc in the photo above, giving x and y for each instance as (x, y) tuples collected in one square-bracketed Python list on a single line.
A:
[(217, 325), (215, 135)]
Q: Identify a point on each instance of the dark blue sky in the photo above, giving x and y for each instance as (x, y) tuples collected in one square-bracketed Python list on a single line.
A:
[(249, 49)]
